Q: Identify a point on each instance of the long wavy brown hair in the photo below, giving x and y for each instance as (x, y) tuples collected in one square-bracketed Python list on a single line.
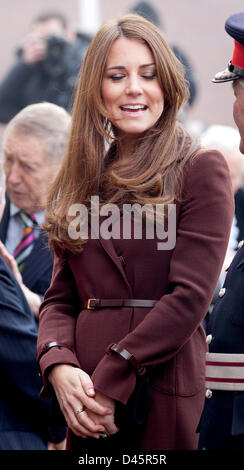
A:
[(92, 166)]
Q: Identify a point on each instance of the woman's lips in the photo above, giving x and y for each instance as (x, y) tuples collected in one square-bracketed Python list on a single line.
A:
[(133, 109)]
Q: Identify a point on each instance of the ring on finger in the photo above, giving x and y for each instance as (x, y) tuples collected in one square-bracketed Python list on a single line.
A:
[(103, 434), (80, 410)]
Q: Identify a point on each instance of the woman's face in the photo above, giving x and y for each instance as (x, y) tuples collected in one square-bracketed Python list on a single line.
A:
[(130, 88)]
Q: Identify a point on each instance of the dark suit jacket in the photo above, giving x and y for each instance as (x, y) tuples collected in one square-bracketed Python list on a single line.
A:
[(37, 270), (24, 416), (168, 339), (222, 422), (239, 212)]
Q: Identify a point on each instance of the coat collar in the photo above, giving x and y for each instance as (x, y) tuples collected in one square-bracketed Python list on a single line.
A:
[(108, 246)]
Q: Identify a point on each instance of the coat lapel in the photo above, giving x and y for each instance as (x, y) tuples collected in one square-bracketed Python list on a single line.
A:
[(108, 246), (110, 250)]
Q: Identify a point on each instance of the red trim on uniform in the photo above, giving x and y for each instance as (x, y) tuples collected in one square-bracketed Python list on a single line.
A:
[(224, 364), (238, 55), (214, 379)]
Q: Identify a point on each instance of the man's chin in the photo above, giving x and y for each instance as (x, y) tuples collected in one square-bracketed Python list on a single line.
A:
[(24, 202), (17, 199), (20, 202)]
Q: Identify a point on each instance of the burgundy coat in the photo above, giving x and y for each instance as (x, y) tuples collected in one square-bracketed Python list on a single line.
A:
[(167, 339)]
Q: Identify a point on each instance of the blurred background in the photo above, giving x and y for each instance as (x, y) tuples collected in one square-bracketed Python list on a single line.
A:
[(196, 27)]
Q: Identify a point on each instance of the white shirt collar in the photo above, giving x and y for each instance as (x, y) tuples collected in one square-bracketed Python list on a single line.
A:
[(39, 215)]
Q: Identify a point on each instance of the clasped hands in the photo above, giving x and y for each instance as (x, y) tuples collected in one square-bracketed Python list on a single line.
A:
[(88, 413)]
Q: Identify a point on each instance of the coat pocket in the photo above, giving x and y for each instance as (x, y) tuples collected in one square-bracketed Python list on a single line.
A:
[(162, 377), (184, 374), (190, 365)]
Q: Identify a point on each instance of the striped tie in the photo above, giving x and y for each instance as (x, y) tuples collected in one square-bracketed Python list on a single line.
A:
[(26, 243)]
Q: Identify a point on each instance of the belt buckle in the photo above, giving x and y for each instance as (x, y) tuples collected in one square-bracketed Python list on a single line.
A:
[(89, 307)]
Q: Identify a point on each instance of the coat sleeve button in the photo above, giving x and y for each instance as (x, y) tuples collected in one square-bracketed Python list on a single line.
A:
[(240, 244)]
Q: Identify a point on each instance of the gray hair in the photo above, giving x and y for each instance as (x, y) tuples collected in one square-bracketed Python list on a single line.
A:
[(226, 139), (46, 121), (221, 137)]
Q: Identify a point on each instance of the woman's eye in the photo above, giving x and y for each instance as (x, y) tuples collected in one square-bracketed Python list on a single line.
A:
[(116, 77), (150, 76)]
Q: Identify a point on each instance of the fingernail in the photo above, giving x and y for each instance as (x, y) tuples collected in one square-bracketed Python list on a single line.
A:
[(91, 391)]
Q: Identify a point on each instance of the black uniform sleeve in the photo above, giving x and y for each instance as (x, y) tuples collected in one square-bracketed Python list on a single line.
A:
[(18, 351)]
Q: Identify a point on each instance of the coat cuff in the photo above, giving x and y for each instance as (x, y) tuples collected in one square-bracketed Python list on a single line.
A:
[(115, 377), (53, 357)]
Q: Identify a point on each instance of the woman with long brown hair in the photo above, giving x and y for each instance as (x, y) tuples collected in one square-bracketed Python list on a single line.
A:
[(120, 335)]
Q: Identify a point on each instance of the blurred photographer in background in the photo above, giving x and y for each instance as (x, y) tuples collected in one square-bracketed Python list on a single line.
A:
[(47, 66)]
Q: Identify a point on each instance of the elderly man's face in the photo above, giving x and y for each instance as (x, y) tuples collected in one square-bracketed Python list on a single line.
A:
[(28, 170), (238, 110)]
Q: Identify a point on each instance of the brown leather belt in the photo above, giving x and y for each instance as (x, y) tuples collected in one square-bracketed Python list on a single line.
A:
[(92, 304)]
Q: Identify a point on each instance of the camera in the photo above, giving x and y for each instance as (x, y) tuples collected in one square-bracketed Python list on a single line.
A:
[(54, 62)]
